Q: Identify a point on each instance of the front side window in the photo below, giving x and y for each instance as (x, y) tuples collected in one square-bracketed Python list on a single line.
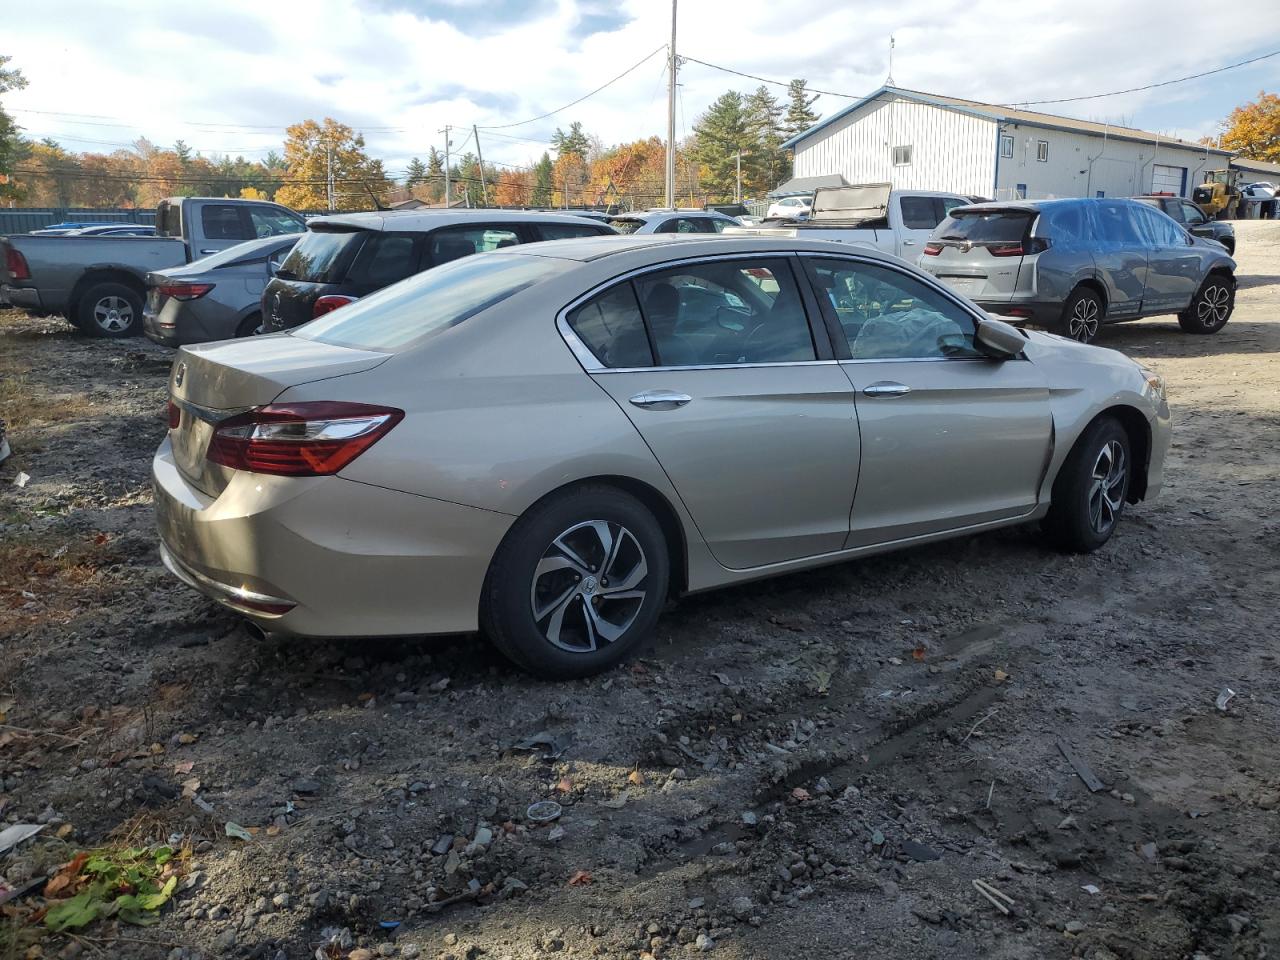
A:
[(1042, 151), (221, 221), (453, 243), (569, 231), (385, 259), (1158, 228), (1172, 209), (1006, 146), (731, 311), (902, 156), (1191, 213), (1116, 224), (270, 222), (890, 315), (612, 328)]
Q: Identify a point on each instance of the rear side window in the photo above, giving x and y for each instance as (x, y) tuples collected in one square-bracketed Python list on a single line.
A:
[(270, 222), (430, 302), (612, 328), (568, 231), (222, 222), (384, 259), (626, 224), (1063, 223), (321, 256), (1116, 224), (453, 243), (999, 226), (920, 213)]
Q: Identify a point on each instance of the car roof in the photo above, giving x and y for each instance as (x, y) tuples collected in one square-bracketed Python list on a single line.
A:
[(1035, 206), (424, 220), (682, 245), (647, 215)]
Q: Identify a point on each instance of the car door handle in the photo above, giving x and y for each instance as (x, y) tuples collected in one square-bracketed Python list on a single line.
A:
[(209, 251), (886, 388), (908, 243), (660, 399)]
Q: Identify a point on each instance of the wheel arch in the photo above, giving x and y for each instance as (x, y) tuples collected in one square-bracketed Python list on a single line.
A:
[(1138, 428), (1093, 285), (96, 275)]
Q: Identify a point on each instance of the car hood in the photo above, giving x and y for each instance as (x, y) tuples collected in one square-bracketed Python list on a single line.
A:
[(1061, 351)]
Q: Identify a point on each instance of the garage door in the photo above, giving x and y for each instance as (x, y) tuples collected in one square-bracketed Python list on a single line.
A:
[(1168, 179)]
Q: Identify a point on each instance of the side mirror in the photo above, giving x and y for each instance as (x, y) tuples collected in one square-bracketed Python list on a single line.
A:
[(999, 340)]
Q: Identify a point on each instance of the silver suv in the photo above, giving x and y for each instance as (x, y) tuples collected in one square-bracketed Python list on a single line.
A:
[(1072, 265)]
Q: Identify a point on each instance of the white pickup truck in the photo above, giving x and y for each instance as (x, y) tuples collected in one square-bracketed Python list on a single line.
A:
[(868, 215)]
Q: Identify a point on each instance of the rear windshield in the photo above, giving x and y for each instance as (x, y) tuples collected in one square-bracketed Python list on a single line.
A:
[(626, 224), (998, 226), (321, 256), (169, 219), (432, 301)]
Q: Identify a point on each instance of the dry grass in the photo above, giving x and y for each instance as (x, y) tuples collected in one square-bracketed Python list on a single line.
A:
[(23, 404), (40, 583)]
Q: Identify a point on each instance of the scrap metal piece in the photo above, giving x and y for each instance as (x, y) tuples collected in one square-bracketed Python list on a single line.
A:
[(1081, 768)]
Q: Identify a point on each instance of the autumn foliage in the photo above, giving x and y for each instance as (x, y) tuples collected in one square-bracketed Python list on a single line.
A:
[(1253, 129)]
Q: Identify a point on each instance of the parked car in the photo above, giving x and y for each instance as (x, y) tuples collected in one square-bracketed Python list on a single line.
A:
[(550, 441), (1191, 217), (870, 215), (98, 283), (216, 297), (114, 230), (64, 227), (672, 221), (788, 208), (343, 258), (1072, 265)]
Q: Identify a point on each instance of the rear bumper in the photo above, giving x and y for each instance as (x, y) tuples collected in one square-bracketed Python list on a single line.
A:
[(25, 298), (1040, 312), (326, 556)]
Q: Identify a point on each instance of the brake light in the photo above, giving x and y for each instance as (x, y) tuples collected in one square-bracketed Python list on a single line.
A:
[(932, 249), (16, 264), (329, 303), (175, 415), (311, 439), (1005, 250), (183, 291), (1020, 248)]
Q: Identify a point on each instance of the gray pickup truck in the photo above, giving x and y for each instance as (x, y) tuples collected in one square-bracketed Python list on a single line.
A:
[(98, 283)]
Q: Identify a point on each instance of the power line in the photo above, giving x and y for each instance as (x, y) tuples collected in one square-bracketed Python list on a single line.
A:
[(521, 123)]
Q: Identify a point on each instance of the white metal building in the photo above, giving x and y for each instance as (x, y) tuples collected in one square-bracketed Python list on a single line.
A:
[(923, 141)]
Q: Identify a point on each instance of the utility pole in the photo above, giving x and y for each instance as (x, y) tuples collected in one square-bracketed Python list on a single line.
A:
[(671, 113), (737, 190), (484, 187), (447, 144)]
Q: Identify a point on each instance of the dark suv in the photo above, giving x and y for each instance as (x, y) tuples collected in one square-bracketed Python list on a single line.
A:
[(344, 257), (1073, 265), (1192, 217)]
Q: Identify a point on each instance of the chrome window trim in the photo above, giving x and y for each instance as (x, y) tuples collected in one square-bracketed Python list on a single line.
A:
[(591, 363)]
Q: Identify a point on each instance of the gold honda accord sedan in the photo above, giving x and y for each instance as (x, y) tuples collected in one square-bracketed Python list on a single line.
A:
[(548, 442)]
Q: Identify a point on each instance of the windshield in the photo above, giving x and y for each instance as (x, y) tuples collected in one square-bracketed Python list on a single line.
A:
[(321, 256), (986, 226), (626, 224), (442, 297)]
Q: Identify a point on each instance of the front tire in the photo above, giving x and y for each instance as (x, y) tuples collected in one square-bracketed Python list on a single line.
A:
[(577, 584), (1211, 307), (1090, 490), (110, 310), (1081, 316)]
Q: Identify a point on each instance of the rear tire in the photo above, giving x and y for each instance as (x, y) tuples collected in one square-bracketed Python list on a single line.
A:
[(110, 310), (250, 326), (1211, 307), (1090, 490), (548, 604), (1082, 316)]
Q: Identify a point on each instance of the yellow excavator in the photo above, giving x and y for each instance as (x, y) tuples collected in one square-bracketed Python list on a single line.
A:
[(1218, 196)]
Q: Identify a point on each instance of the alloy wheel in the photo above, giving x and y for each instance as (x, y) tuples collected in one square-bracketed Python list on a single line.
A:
[(1214, 306), (1107, 488), (589, 586), (1082, 324), (113, 314)]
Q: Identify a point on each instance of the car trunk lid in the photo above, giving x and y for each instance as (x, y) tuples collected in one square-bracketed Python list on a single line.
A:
[(211, 382), (980, 252)]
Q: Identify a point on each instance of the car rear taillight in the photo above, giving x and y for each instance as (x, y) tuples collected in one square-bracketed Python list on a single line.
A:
[(311, 439), (932, 249), (183, 291), (1020, 248), (16, 264), (175, 415), (1005, 250), (328, 303)]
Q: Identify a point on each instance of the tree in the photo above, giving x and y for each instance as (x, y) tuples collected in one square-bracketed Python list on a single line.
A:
[(543, 182), (183, 151), (12, 148), (574, 142), (1253, 129), (416, 173), (800, 116), (311, 151), (252, 193), (768, 164), (719, 135)]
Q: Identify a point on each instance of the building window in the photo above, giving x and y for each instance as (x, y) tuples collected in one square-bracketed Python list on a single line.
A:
[(1042, 151), (902, 156), (1006, 146), (1020, 191)]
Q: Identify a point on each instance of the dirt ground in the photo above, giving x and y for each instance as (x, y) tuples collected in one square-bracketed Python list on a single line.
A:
[(817, 766)]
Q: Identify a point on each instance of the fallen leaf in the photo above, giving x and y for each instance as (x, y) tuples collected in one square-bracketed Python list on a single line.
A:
[(190, 787), (639, 668), (636, 778), (581, 878), (64, 831), (186, 739), (1001, 676), (565, 785), (100, 539), (917, 654), (157, 748), (800, 794), (66, 876), (234, 829), (273, 830), (186, 766)]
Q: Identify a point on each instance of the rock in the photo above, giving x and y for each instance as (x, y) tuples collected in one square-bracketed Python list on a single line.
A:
[(749, 818), (741, 907), (361, 953), (410, 951), (224, 942), (281, 901), (1149, 852), (442, 845), (1074, 927), (1269, 801), (306, 786), (483, 837), (704, 942), (450, 939), (1238, 922), (919, 852), (386, 950), (697, 903)]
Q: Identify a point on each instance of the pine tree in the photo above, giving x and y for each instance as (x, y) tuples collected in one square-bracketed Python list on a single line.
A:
[(768, 164), (416, 173), (574, 142), (800, 116), (718, 136), (183, 151), (12, 147), (543, 181)]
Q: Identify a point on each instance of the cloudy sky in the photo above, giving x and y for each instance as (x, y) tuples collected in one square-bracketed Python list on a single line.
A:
[(228, 77)]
